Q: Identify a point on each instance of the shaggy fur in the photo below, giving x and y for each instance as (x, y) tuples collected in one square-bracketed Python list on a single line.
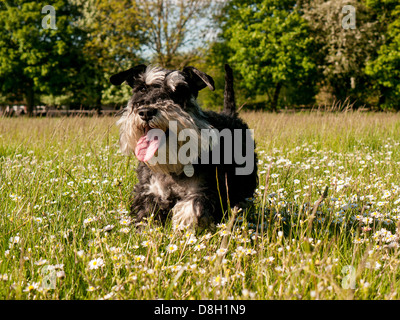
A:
[(159, 96)]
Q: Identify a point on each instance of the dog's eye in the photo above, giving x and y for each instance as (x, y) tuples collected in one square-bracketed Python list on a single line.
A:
[(141, 88)]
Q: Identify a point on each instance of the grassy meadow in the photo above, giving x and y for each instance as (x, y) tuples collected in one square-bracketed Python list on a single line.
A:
[(65, 231)]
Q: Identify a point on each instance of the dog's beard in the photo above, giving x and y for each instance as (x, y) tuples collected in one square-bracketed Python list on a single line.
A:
[(133, 129)]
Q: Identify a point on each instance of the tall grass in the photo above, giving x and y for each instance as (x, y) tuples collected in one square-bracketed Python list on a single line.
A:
[(65, 231)]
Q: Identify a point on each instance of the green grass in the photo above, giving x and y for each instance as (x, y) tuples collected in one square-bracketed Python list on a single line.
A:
[(65, 189)]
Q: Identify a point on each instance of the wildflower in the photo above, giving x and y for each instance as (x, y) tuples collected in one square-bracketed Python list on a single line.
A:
[(367, 220), (115, 257), (224, 233), (125, 221), (175, 268), (193, 266), (172, 248), (150, 271), (207, 236), (96, 263), (279, 269), (92, 288), (109, 295), (14, 240), (221, 251), (386, 194), (108, 227), (393, 245), (38, 220), (40, 262), (88, 220), (145, 243), (246, 293), (381, 203), (139, 258), (188, 235), (218, 281), (240, 250), (32, 286), (124, 230), (320, 219), (192, 240), (250, 251), (199, 247), (202, 271), (116, 182), (80, 253)]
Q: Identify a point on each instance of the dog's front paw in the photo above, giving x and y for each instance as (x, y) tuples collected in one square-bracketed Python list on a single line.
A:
[(185, 215), (190, 214)]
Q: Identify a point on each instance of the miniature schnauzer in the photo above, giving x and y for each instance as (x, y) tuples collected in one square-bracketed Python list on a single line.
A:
[(186, 170)]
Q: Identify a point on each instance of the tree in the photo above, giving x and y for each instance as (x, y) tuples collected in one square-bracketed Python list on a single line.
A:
[(35, 60), (175, 29), (342, 52), (385, 68), (114, 36), (270, 46), (122, 33)]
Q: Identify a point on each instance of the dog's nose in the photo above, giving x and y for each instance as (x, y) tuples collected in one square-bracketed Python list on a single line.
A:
[(146, 114)]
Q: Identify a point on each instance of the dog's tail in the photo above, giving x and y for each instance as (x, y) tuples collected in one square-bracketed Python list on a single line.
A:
[(229, 94)]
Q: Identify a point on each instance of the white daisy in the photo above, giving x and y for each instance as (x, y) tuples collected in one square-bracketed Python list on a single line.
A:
[(96, 263)]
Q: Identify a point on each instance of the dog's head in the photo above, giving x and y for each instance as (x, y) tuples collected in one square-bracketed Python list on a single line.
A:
[(161, 97)]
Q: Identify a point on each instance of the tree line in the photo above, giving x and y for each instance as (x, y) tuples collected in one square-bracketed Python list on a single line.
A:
[(285, 53)]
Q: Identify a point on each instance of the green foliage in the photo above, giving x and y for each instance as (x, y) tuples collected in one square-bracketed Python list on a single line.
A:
[(284, 52), (341, 53), (385, 69), (270, 46), (36, 60), (213, 65), (114, 34)]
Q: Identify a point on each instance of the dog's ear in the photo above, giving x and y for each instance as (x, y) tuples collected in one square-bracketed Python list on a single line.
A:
[(128, 75), (198, 78)]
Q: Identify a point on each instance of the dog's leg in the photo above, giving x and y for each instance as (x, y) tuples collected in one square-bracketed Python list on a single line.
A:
[(145, 203), (196, 211)]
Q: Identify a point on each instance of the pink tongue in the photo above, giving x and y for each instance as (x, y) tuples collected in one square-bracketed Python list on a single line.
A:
[(147, 146)]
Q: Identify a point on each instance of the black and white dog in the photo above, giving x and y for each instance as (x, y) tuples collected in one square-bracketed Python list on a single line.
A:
[(193, 163)]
